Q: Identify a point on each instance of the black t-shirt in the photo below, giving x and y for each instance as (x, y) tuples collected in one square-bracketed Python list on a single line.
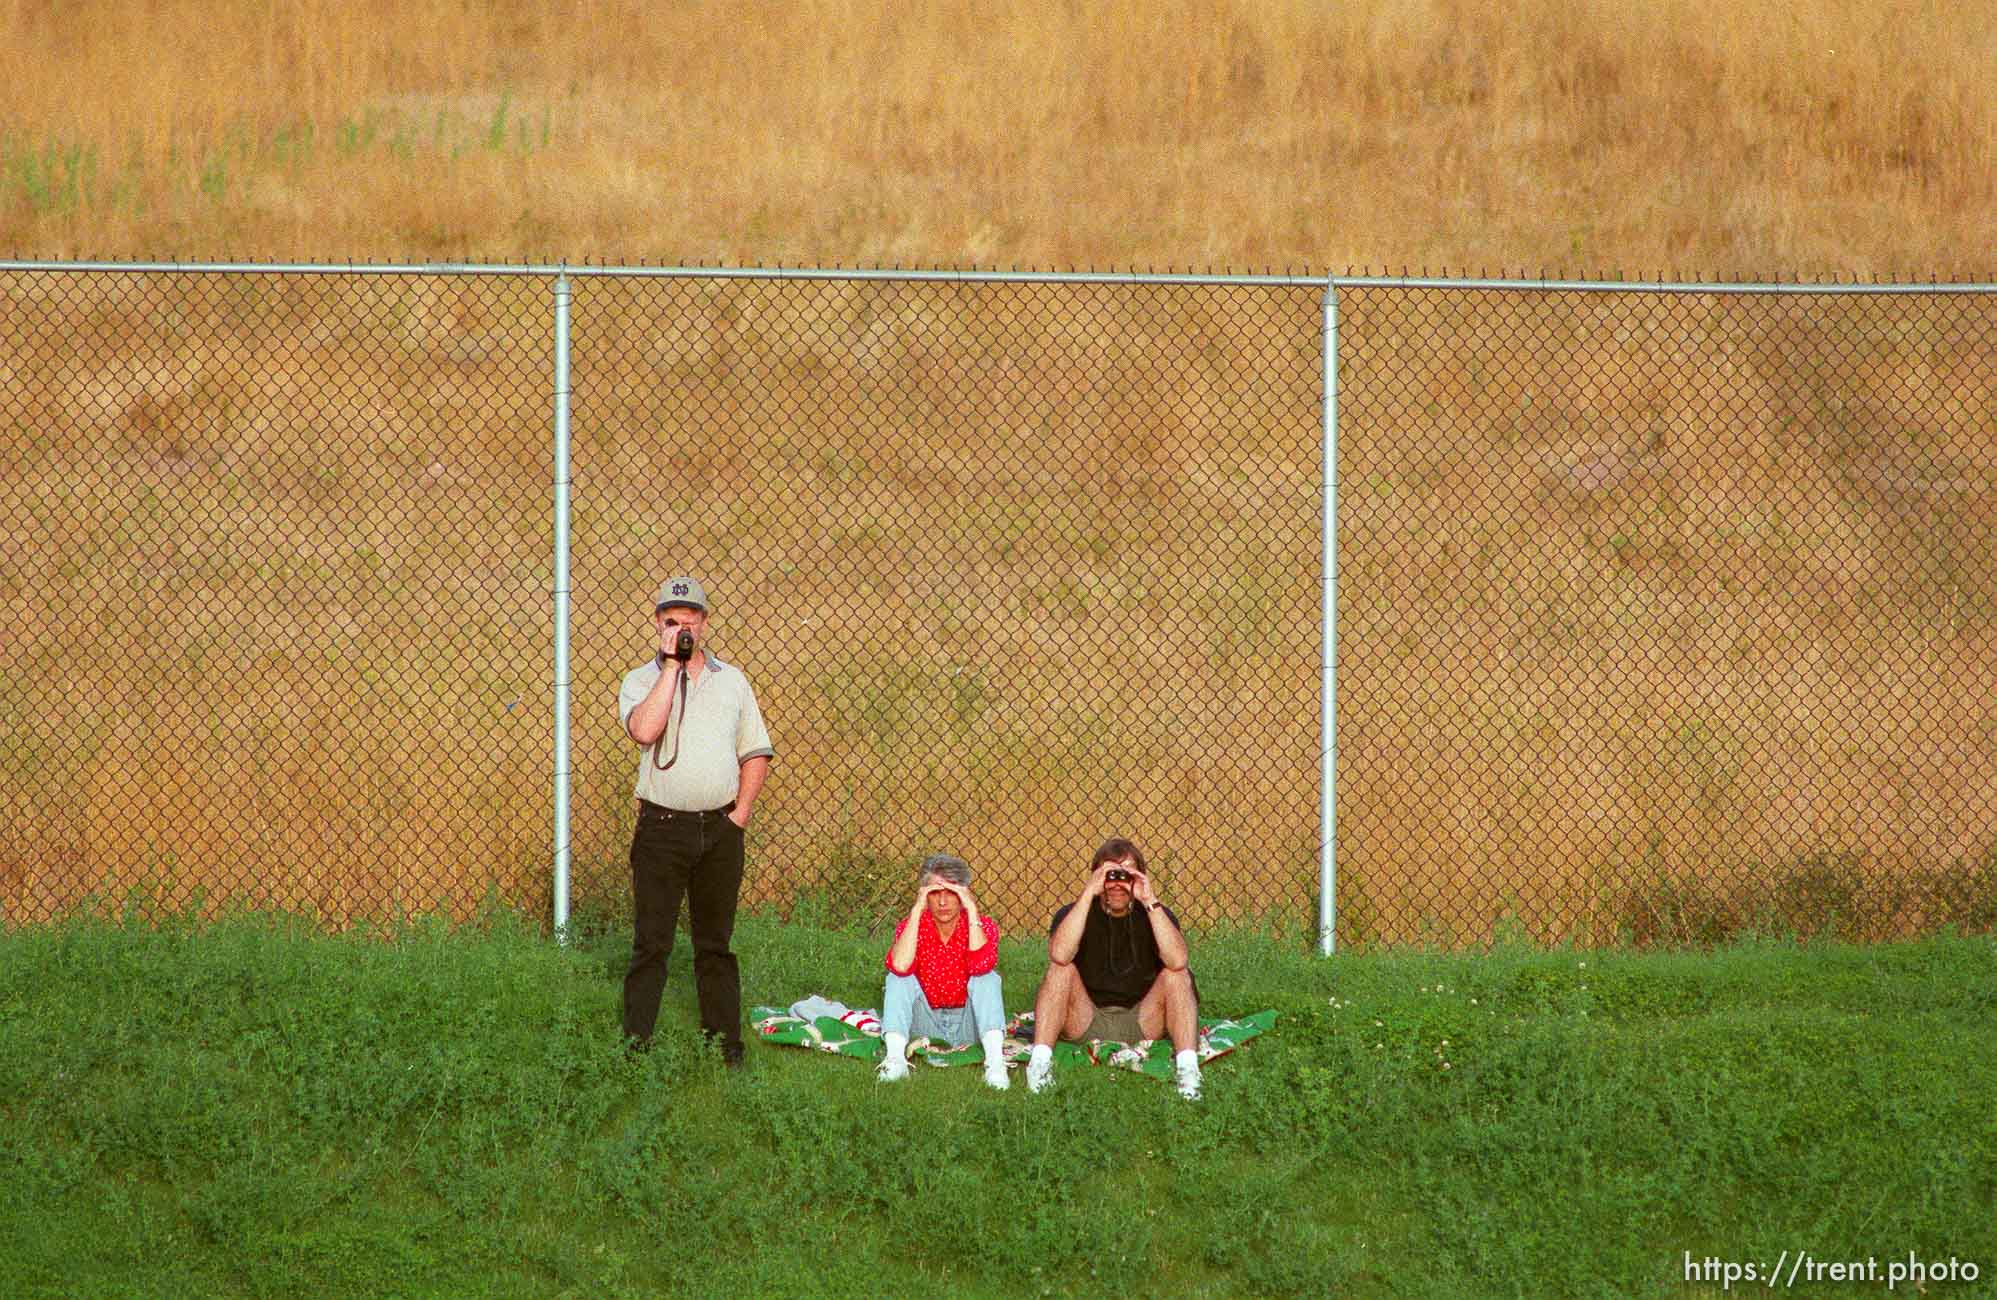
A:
[(1118, 955)]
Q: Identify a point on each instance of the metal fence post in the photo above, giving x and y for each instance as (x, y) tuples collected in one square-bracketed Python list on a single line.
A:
[(1327, 906), (561, 593)]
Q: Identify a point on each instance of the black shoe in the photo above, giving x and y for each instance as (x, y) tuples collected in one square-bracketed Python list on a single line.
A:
[(731, 1048)]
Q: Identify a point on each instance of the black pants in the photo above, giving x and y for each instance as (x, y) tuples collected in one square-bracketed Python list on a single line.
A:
[(700, 859)]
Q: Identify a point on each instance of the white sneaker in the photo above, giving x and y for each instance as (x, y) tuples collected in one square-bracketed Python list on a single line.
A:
[(1039, 1075), (1189, 1080), (996, 1077), (892, 1070)]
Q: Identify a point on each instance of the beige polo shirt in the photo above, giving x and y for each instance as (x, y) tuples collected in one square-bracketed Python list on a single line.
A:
[(724, 729)]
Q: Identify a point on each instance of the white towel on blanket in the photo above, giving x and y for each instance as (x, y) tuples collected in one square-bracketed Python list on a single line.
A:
[(811, 1008)]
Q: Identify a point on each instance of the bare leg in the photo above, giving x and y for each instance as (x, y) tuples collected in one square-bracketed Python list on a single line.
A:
[(1169, 1008), (1062, 1008)]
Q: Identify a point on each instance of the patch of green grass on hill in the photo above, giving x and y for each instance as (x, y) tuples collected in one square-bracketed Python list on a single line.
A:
[(247, 1106)]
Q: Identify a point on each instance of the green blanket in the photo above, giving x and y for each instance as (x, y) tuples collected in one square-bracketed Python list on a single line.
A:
[(856, 1034)]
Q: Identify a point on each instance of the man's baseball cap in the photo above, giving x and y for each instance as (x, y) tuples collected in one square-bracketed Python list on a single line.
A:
[(682, 591)]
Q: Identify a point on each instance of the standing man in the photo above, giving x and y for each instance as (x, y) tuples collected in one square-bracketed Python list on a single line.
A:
[(703, 756), (1117, 970)]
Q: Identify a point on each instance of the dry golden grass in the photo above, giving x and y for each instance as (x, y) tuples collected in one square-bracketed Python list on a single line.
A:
[(1679, 618), (1687, 135)]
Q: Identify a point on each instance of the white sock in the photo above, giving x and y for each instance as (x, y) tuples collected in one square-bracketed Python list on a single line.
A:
[(897, 1045), (1186, 1058), (1042, 1054), (994, 1041)]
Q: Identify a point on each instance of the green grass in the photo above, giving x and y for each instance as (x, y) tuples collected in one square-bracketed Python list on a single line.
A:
[(248, 1106), (70, 175)]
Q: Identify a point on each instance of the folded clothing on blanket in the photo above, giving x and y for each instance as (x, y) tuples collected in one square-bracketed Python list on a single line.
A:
[(816, 1008), (828, 1026), (822, 1024)]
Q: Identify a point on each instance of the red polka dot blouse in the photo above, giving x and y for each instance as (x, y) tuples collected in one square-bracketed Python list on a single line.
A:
[(944, 968)]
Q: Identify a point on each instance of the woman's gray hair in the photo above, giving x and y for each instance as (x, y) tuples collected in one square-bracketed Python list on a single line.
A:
[(945, 866)]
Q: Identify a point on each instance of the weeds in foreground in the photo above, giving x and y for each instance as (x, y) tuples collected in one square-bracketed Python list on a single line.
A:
[(248, 1105), (1827, 894)]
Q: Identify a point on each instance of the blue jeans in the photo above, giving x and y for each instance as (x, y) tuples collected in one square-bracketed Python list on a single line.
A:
[(905, 1011)]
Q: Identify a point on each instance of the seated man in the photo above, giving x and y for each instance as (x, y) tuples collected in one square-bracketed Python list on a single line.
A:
[(943, 981), (1117, 970)]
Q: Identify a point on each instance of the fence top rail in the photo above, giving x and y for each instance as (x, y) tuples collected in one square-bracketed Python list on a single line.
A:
[(1332, 281)]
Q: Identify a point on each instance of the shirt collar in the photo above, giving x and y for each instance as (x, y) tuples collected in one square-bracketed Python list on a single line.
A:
[(713, 663)]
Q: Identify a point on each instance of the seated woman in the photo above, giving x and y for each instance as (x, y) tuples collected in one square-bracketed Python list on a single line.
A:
[(943, 981)]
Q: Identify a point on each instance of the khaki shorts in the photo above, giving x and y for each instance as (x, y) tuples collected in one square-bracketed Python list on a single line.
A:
[(1117, 1024)]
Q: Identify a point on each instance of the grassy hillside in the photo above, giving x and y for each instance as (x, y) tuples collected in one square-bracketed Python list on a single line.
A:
[(1690, 134), (252, 1107)]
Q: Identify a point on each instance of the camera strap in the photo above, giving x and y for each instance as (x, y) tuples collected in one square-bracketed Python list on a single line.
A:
[(679, 689), (1120, 927)]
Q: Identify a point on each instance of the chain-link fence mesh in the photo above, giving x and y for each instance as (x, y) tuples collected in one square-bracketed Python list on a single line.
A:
[(1666, 614), (276, 586), (1659, 613), (1013, 567)]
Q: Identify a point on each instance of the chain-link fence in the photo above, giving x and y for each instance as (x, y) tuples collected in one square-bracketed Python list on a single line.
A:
[(1658, 613), (277, 590), (1666, 614), (1014, 568)]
